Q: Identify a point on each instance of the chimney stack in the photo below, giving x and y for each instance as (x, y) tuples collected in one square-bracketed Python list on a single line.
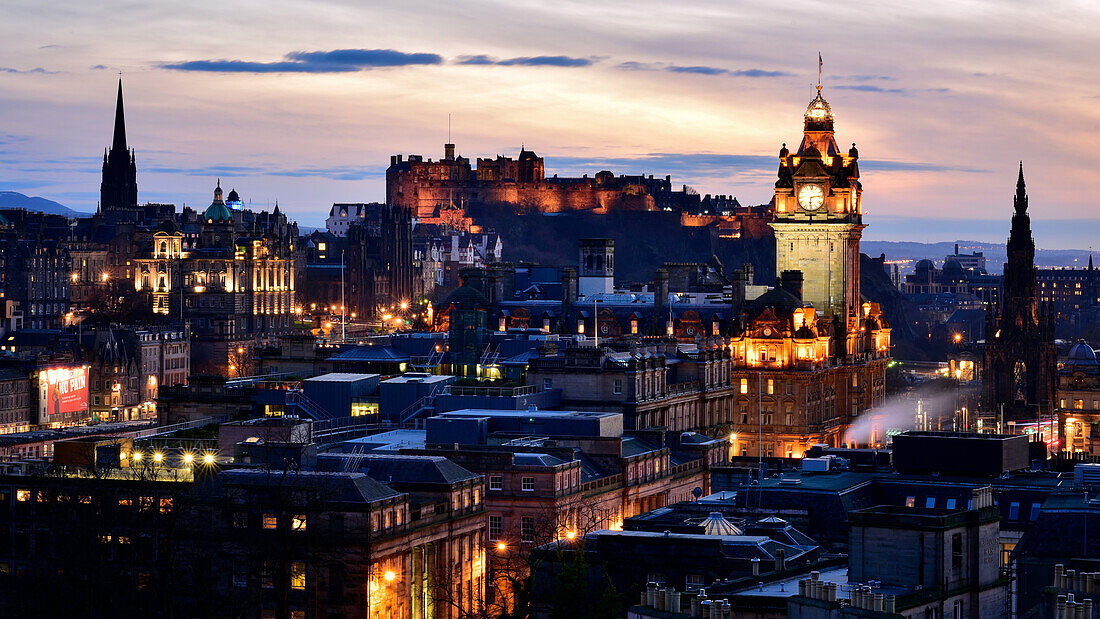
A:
[(791, 281), (568, 287)]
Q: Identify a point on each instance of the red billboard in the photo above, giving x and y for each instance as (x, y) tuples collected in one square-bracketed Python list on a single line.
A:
[(64, 390)]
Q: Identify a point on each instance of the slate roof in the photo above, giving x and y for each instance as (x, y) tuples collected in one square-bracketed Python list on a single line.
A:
[(338, 486), (377, 354), (411, 469)]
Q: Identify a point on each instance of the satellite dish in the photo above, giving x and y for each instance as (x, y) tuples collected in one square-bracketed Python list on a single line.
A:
[(696, 492)]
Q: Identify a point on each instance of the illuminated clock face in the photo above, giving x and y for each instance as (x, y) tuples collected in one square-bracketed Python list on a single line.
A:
[(811, 197)]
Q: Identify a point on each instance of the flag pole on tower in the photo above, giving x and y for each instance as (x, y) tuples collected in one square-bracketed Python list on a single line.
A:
[(819, 71)]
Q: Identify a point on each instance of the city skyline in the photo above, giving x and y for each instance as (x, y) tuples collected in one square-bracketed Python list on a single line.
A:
[(941, 111)]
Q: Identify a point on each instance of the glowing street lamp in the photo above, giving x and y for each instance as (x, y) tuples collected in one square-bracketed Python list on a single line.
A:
[(501, 546)]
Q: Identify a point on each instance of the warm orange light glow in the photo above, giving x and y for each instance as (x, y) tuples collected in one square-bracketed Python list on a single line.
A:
[(389, 576), (570, 535), (501, 546)]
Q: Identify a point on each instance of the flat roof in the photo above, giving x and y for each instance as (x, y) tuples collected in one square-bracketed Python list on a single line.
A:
[(417, 378), (485, 412), (340, 377), (787, 587)]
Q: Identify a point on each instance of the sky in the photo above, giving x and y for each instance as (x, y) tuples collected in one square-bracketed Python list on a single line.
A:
[(303, 103)]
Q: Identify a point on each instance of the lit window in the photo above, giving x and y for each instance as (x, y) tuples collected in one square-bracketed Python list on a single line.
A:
[(528, 484), (298, 575), (298, 522), (270, 521), (951, 503), (910, 501), (744, 385), (22, 495), (771, 387), (930, 502)]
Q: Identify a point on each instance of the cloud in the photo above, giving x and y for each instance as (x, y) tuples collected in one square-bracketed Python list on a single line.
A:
[(342, 173), (527, 61), (861, 78), (698, 69), (98, 67), (718, 165), (870, 88), (364, 58), (25, 71), (334, 61), (891, 91), (478, 59), (638, 66)]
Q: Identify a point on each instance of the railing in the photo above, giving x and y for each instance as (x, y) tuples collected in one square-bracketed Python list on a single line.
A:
[(297, 398), (507, 392), (347, 425), (176, 427)]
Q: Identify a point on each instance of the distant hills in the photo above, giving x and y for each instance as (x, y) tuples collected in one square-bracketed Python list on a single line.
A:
[(995, 253), (14, 199)]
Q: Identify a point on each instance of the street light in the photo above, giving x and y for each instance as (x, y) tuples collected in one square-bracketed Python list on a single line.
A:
[(389, 576), (501, 546)]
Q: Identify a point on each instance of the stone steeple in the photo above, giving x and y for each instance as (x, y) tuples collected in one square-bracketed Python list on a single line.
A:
[(118, 190)]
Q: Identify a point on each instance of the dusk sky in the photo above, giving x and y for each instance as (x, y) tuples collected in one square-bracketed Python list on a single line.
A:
[(304, 102)]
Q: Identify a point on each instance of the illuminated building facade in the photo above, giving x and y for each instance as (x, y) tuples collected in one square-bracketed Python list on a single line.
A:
[(425, 187), (810, 355), (818, 215), (234, 285), (1078, 400)]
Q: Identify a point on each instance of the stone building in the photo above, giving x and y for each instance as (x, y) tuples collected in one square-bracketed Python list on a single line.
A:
[(34, 276), (235, 284), (1078, 401), (17, 410), (379, 261), (423, 187), (810, 355), (1019, 379)]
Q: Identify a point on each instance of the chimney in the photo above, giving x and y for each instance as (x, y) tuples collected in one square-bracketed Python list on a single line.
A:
[(791, 281), (660, 297), (956, 249), (740, 281), (780, 559), (449, 152), (568, 287), (750, 272)]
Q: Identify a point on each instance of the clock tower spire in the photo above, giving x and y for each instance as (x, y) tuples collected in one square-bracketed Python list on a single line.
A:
[(818, 216)]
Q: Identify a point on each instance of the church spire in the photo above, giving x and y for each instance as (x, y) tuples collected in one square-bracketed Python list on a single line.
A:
[(118, 190), (119, 142), (1020, 201)]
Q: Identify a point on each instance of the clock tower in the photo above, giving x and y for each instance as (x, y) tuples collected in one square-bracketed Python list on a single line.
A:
[(818, 217)]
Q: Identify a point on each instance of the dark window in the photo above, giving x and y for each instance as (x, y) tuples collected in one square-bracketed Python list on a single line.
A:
[(956, 552)]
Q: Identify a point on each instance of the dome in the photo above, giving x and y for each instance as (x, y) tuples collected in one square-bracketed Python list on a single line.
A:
[(233, 197), (925, 265), (716, 524), (217, 212), (819, 110), (1082, 354)]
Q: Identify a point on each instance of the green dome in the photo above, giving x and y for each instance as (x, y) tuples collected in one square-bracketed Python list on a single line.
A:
[(216, 212)]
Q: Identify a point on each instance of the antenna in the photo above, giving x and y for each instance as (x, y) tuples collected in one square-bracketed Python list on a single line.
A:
[(448, 127)]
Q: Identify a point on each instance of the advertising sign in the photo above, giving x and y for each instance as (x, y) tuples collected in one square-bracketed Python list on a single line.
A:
[(63, 392)]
